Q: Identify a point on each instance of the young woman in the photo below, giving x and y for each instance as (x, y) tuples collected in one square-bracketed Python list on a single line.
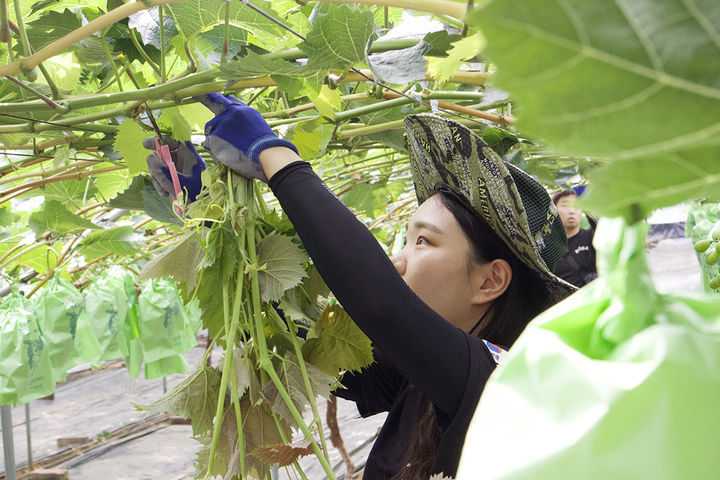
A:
[(476, 267)]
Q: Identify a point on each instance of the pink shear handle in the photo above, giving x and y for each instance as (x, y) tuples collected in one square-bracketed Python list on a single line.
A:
[(163, 151)]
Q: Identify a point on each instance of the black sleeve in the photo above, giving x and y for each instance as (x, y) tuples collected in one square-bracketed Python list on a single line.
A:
[(424, 347)]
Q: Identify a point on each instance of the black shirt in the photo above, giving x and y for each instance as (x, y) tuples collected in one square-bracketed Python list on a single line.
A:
[(581, 250), (417, 351)]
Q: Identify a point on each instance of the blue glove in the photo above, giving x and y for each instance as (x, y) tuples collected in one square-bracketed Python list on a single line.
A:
[(237, 135), (188, 163)]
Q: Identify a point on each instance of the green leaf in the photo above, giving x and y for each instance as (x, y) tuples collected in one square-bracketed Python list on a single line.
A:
[(159, 208), (311, 138), (179, 261), (441, 42), (246, 377), (56, 218), (635, 83), (327, 101), (196, 114), (194, 16), (50, 27), (42, 259), (370, 197), (211, 302), (501, 141), (339, 37), (173, 120), (443, 68), (237, 38), (340, 346), (69, 191), (195, 397), (108, 184), (119, 240), (63, 154), (291, 378), (147, 23), (129, 144), (7, 217), (132, 197), (280, 262), (222, 245)]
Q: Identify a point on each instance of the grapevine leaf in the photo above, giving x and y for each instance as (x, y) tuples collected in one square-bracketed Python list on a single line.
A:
[(339, 37), (68, 190), (282, 454), (441, 42), (180, 262), (40, 259), (443, 68), (237, 38), (227, 445), (56, 218), (655, 59), (50, 27), (291, 378), (327, 101), (340, 346), (194, 16), (7, 217), (110, 183), (206, 291), (311, 138), (129, 144), (132, 197), (147, 23), (246, 377), (259, 428), (159, 208), (501, 141), (222, 247), (280, 266), (63, 154), (400, 66), (196, 114), (392, 138), (119, 240), (195, 397), (370, 197), (174, 121)]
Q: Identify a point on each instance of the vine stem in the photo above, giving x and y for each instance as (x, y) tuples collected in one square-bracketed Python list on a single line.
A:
[(50, 102), (264, 359)]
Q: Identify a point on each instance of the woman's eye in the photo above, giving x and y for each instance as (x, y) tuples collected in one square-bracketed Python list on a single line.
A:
[(421, 241)]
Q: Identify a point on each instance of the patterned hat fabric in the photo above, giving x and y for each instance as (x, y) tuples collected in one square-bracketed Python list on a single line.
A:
[(514, 205)]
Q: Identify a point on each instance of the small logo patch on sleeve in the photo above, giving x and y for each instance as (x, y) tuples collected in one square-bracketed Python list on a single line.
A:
[(498, 353)]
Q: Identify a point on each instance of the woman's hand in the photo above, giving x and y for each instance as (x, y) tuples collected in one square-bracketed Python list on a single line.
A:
[(239, 134), (188, 163)]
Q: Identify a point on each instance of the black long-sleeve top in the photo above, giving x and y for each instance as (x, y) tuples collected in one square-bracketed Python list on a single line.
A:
[(417, 351)]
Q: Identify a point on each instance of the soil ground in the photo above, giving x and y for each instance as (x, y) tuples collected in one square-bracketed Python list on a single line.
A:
[(99, 403)]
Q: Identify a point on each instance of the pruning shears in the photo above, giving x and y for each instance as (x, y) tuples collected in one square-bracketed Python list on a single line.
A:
[(163, 152)]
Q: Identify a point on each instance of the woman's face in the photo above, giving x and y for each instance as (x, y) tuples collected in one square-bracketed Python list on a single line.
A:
[(435, 262)]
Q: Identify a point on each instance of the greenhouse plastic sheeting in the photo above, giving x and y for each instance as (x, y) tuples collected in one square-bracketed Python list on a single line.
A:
[(25, 372), (617, 381), (58, 307)]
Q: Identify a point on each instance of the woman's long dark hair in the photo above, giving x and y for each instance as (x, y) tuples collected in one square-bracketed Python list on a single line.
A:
[(524, 299)]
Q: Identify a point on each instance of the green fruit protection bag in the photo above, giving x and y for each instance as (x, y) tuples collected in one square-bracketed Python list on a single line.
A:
[(702, 217), (58, 308), (25, 372), (617, 381), (164, 327), (121, 282), (96, 336)]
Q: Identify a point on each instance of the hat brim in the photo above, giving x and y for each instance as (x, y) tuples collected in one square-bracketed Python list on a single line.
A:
[(444, 151)]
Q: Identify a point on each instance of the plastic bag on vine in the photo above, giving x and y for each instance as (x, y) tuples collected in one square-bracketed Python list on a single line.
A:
[(164, 329), (617, 381), (25, 371), (121, 282), (96, 336), (58, 307)]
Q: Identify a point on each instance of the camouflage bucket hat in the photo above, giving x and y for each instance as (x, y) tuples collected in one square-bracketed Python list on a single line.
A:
[(516, 207)]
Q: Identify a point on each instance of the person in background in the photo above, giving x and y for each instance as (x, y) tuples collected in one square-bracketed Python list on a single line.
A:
[(475, 268), (577, 266)]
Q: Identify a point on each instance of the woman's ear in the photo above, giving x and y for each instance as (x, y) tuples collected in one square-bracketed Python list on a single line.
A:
[(490, 280)]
